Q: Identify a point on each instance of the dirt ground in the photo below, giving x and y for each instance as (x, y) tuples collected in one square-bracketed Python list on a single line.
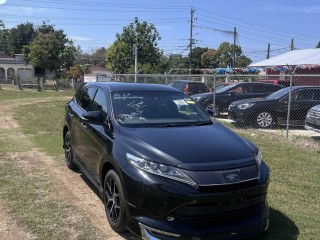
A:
[(79, 193)]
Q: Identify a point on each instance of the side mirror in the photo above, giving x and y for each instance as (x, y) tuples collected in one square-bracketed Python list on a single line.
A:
[(93, 117), (211, 111)]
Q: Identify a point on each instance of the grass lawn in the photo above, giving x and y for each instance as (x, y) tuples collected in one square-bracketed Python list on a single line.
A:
[(294, 191)]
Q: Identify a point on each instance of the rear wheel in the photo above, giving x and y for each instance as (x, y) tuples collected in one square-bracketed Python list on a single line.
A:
[(114, 202), (264, 120), (68, 154)]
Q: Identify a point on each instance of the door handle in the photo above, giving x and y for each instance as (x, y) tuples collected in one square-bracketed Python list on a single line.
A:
[(70, 115)]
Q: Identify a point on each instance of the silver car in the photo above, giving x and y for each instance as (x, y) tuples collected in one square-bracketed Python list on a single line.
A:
[(313, 119)]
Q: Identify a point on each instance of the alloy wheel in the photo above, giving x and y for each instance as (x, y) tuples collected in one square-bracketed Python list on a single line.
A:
[(264, 120), (112, 200), (68, 151)]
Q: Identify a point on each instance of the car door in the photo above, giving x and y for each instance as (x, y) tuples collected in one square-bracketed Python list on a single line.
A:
[(83, 100), (98, 138), (302, 101)]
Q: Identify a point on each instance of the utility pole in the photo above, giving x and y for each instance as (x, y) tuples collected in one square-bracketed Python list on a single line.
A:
[(268, 51), (135, 53), (191, 39), (234, 47), (291, 45)]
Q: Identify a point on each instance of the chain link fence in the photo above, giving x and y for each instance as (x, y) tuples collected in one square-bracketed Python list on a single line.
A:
[(251, 101)]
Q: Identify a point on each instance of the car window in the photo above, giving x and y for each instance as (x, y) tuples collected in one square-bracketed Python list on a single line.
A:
[(99, 102), (238, 89), (86, 97), (175, 84), (198, 87), (152, 108), (225, 89), (303, 95)]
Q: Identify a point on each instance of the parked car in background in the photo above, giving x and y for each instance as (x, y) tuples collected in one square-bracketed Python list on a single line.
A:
[(165, 173), (276, 81), (189, 87), (265, 112), (221, 85), (313, 119), (233, 92)]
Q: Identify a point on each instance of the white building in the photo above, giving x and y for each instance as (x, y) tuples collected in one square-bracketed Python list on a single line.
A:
[(13, 67)]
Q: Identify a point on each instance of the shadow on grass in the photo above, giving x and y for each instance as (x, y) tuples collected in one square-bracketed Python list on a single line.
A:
[(281, 227)]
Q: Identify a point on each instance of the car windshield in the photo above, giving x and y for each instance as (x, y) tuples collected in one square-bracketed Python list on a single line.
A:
[(226, 88), (158, 109), (278, 94)]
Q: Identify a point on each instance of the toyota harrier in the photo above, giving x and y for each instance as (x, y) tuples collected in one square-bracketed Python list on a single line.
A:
[(164, 168)]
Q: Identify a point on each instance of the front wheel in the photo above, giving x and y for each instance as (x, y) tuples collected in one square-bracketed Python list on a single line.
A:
[(68, 154), (264, 120), (114, 202)]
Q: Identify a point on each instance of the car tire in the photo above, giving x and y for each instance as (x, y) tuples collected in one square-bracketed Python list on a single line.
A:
[(68, 153), (264, 120), (113, 199)]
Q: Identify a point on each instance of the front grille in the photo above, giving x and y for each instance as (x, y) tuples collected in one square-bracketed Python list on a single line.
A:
[(219, 212), (228, 187)]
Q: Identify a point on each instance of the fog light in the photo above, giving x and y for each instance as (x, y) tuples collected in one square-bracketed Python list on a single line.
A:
[(170, 218)]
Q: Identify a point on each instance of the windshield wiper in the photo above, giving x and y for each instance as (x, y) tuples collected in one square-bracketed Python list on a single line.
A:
[(172, 125), (202, 123), (184, 124)]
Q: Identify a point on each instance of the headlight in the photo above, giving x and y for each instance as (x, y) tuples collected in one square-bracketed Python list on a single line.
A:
[(259, 158), (245, 105), (159, 169)]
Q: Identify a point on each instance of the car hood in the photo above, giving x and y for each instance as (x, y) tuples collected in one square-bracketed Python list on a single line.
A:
[(209, 147)]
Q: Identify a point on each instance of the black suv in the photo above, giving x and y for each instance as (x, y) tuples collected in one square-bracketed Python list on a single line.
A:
[(163, 172), (189, 87), (265, 112), (233, 92)]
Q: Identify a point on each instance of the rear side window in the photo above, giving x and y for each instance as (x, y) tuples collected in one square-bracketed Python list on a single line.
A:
[(86, 97), (198, 87)]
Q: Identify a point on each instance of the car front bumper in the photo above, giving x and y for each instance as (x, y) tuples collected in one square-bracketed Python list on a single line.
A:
[(166, 209)]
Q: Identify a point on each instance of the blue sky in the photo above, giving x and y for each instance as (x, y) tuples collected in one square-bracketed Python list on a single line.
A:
[(93, 24)]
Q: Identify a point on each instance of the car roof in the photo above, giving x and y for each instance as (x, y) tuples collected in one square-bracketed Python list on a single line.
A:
[(122, 86)]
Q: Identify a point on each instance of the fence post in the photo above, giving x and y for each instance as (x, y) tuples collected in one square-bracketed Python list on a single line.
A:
[(289, 102), (214, 93)]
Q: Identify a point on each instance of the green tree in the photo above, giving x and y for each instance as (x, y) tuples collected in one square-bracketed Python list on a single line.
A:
[(20, 36), (145, 36), (209, 59), (51, 50), (318, 45), (196, 56), (119, 57), (4, 43), (225, 55)]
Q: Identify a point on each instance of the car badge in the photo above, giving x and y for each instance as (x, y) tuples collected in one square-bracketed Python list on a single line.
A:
[(232, 178)]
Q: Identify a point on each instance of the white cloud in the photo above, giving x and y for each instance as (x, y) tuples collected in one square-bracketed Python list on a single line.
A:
[(30, 11), (80, 38)]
